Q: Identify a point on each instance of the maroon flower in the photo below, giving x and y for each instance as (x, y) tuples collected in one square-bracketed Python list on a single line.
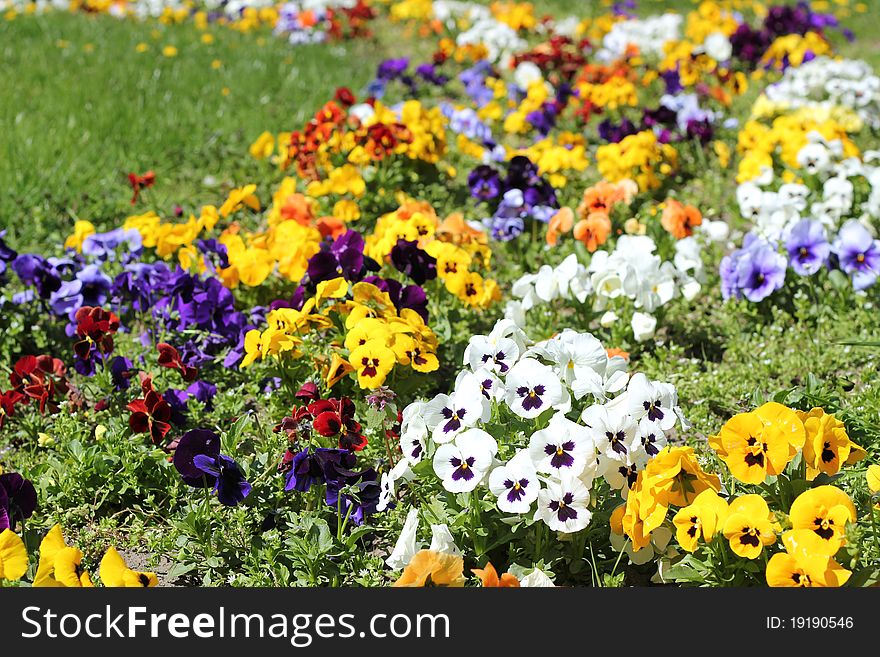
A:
[(169, 357), (150, 414), (41, 378), (344, 97), (308, 392), (96, 327), (8, 400)]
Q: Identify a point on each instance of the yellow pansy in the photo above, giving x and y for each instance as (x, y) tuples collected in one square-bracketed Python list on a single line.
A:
[(703, 518), (13, 556), (114, 572), (263, 146), (81, 230), (372, 361), (749, 526), (60, 565), (238, 198)]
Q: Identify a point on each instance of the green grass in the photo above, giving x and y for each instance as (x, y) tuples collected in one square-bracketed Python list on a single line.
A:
[(76, 122)]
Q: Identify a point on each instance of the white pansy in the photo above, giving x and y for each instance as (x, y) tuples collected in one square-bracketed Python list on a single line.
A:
[(447, 415), (562, 504), (612, 429), (463, 464), (562, 447), (643, 326), (515, 484), (532, 388), (442, 540)]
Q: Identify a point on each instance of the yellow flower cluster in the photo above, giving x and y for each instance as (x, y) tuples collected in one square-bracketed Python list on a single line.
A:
[(169, 237), (785, 137), (342, 180), (376, 338), (672, 478), (427, 127), (555, 155), (639, 157), (762, 442), (818, 519), (791, 49), (707, 18), (615, 92), (409, 10), (60, 565), (454, 244), (518, 15), (536, 94)]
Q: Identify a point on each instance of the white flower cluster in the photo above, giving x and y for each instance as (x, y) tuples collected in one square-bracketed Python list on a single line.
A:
[(631, 271), (620, 423), (501, 40), (649, 34), (830, 199), (828, 83)]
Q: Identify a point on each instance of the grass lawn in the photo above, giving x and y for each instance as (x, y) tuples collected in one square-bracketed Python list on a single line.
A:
[(82, 108)]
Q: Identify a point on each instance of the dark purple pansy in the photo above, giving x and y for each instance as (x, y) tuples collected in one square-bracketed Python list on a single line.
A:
[(200, 463), (484, 183), (121, 371), (18, 499), (409, 259)]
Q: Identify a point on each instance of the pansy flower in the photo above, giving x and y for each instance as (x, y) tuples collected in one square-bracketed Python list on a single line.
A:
[(825, 511), (95, 326), (827, 447), (41, 378), (408, 258), (114, 572), (150, 414), (701, 519), (651, 402), (201, 465), (8, 401), (433, 568), (447, 415), (532, 388), (759, 443), (372, 361), (18, 499), (413, 431), (749, 526), (563, 505), (808, 249), (563, 446), (489, 578), (60, 565), (652, 439), (169, 357), (463, 464), (13, 556), (497, 355), (859, 254), (515, 484), (614, 432), (805, 563)]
